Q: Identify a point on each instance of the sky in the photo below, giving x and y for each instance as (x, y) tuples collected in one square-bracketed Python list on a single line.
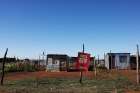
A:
[(29, 27)]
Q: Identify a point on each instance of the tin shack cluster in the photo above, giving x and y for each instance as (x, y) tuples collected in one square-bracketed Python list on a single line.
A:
[(63, 62), (120, 61)]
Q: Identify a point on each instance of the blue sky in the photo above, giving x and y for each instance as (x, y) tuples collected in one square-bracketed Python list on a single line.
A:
[(28, 27)]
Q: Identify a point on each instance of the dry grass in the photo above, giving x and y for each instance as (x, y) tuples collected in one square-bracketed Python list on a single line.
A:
[(105, 82), (57, 85)]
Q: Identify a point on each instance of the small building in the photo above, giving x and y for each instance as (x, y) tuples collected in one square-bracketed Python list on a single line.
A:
[(57, 62), (133, 62), (8, 60), (42, 62), (72, 64), (117, 60)]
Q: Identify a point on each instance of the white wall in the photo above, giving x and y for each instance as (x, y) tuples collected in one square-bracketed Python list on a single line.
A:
[(52, 67), (118, 64), (122, 65), (107, 61)]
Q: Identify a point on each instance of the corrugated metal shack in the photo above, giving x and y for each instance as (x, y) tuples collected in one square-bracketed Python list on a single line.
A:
[(117, 60), (8, 60), (133, 63), (72, 64), (57, 62)]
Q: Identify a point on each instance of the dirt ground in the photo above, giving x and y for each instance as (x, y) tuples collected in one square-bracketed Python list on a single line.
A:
[(24, 75), (130, 74), (133, 92)]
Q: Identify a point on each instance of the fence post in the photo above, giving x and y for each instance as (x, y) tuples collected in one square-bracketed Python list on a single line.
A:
[(81, 73), (137, 58), (3, 67)]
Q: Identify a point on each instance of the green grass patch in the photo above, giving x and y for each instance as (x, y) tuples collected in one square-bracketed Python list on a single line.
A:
[(57, 85)]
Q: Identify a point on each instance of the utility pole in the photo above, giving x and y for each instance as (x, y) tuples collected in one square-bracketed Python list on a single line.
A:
[(81, 73), (3, 67), (138, 81)]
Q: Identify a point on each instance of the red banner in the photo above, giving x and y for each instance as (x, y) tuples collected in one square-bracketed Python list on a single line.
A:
[(83, 61)]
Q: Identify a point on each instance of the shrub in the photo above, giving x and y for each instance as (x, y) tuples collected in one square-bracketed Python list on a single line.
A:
[(19, 67), (101, 68), (91, 68)]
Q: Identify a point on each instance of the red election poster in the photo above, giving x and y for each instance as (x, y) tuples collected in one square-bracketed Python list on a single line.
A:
[(83, 61)]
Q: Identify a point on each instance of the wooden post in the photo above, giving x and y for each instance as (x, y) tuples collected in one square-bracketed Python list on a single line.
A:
[(39, 62), (81, 73), (98, 59), (137, 64), (3, 67), (43, 58), (104, 58), (95, 72), (46, 62), (110, 60)]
